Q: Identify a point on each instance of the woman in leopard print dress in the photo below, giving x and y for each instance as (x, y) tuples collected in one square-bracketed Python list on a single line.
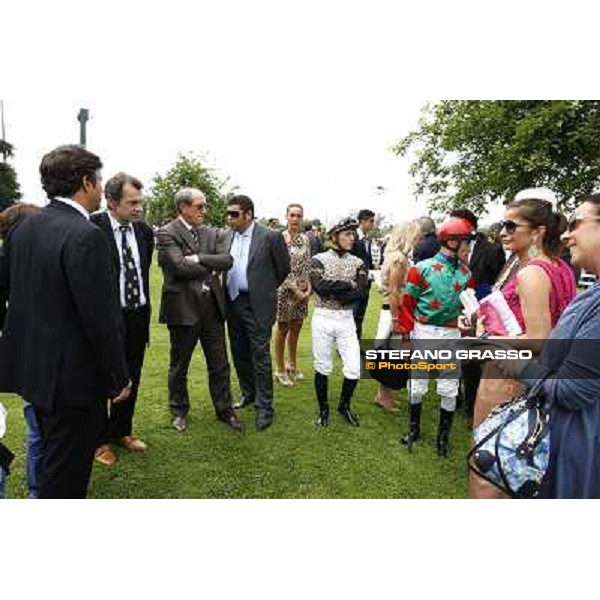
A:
[(292, 297)]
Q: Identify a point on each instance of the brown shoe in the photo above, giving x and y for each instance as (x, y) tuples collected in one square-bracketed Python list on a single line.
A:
[(105, 456), (132, 444)]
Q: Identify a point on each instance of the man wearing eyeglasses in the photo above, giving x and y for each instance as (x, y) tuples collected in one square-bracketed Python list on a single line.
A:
[(261, 262), (192, 256)]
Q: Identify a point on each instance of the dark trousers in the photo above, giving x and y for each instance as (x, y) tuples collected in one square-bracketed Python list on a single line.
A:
[(360, 309), (69, 440), (210, 330), (471, 376), (120, 420), (251, 350)]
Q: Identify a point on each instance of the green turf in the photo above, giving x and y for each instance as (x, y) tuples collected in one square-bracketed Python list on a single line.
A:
[(292, 459)]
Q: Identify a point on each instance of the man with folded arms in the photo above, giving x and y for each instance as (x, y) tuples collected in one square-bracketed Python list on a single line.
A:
[(192, 256)]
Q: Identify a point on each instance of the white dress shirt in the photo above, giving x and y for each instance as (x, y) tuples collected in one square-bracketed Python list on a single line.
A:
[(74, 205)]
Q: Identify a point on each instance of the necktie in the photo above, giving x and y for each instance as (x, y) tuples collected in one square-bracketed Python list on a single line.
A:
[(132, 280), (195, 235)]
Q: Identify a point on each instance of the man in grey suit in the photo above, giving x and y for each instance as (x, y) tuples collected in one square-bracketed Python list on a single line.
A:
[(261, 262), (192, 305)]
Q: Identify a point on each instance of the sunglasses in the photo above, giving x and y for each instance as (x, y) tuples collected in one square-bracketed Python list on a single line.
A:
[(574, 222), (510, 226), (234, 214)]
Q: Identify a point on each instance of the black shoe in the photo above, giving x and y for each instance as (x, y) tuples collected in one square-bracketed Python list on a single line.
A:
[(321, 392), (179, 424), (345, 411), (244, 402), (414, 426), (348, 387), (323, 418), (264, 420), (443, 436), (232, 421)]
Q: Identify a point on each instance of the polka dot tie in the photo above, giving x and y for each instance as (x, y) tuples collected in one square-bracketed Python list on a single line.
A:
[(132, 280)]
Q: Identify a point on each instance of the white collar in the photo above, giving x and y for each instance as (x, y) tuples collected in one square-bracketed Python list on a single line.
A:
[(187, 225), (74, 205), (248, 232), (116, 226)]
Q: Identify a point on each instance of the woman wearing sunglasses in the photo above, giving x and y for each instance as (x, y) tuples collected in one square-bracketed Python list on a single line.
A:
[(570, 367), (537, 285)]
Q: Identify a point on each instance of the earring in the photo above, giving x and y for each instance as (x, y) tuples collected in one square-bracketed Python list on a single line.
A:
[(533, 251)]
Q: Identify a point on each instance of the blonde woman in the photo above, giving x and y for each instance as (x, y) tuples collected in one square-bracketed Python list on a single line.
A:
[(396, 262)]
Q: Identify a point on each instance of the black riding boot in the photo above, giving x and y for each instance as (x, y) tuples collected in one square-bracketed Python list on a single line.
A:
[(443, 445), (348, 388), (414, 426), (321, 391)]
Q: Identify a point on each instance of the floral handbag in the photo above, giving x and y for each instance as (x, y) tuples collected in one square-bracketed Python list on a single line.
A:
[(511, 446)]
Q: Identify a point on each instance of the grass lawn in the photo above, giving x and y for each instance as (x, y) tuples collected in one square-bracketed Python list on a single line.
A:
[(292, 459)]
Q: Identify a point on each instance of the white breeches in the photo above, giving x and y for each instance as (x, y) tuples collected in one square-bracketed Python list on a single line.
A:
[(335, 328), (447, 381)]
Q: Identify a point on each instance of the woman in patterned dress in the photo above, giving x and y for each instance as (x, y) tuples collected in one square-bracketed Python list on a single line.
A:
[(292, 297)]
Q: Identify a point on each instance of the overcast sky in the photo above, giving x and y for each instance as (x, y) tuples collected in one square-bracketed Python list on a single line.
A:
[(329, 153), (295, 102)]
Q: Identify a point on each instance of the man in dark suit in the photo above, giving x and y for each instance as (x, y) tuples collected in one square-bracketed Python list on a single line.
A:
[(261, 262), (131, 243), (428, 246), (62, 346), (362, 249), (486, 260), (192, 306)]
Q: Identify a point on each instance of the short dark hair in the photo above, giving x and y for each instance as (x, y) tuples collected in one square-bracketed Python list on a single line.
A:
[(113, 188), (64, 169), (593, 199), (243, 202), (466, 214), (365, 214), (13, 214)]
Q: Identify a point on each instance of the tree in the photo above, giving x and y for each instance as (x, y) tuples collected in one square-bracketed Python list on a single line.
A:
[(472, 152), (9, 186), (188, 171)]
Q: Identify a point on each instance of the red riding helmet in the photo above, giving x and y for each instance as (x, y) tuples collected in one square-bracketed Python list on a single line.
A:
[(455, 229)]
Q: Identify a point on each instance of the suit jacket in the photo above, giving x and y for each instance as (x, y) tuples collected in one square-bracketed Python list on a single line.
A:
[(359, 248), (3, 286), (185, 282), (486, 263), (62, 341), (268, 266), (427, 247), (145, 241)]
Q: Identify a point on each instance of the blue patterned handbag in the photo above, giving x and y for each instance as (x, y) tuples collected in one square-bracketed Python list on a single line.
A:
[(511, 447)]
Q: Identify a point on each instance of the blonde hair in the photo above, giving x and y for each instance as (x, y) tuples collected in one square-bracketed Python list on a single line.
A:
[(403, 238)]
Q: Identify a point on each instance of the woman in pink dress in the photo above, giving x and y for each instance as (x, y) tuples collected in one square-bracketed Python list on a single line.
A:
[(537, 286)]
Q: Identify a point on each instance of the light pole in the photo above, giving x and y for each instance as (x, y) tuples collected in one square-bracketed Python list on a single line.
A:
[(83, 117)]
